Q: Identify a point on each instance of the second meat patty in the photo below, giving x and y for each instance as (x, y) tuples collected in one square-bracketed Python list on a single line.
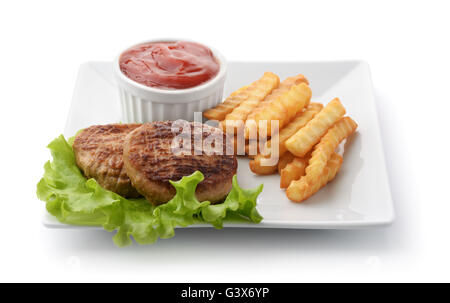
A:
[(150, 162)]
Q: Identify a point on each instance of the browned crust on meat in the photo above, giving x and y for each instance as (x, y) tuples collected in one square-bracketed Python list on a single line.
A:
[(98, 152), (150, 163)]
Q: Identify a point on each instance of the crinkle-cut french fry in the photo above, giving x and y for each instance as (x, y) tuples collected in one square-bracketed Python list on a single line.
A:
[(284, 86), (294, 170), (289, 130), (234, 119), (308, 136), (246, 150), (237, 143), (251, 148), (232, 127), (284, 160), (284, 156), (298, 122), (283, 108), (326, 147), (220, 111), (257, 167), (301, 190), (266, 85)]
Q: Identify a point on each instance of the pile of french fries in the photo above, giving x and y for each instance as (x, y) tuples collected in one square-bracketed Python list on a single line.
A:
[(307, 134)]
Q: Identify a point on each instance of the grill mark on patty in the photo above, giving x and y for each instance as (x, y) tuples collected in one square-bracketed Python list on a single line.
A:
[(150, 152), (98, 150)]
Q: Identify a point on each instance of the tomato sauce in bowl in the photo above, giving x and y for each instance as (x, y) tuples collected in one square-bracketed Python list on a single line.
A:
[(169, 65)]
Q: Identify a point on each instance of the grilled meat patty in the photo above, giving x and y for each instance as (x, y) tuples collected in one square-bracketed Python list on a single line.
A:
[(98, 152), (150, 161)]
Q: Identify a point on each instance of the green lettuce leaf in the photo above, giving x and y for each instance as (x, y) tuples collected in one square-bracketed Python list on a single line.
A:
[(239, 201), (73, 199)]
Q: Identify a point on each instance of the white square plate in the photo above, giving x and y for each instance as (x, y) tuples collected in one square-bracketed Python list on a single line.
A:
[(358, 197)]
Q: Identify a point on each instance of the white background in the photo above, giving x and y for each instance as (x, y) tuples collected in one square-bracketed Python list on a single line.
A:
[(407, 46)]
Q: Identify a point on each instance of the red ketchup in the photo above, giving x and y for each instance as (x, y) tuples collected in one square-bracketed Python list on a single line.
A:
[(169, 65)]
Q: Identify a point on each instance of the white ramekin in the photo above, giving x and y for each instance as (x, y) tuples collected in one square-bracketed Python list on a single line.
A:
[(140, 103)]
